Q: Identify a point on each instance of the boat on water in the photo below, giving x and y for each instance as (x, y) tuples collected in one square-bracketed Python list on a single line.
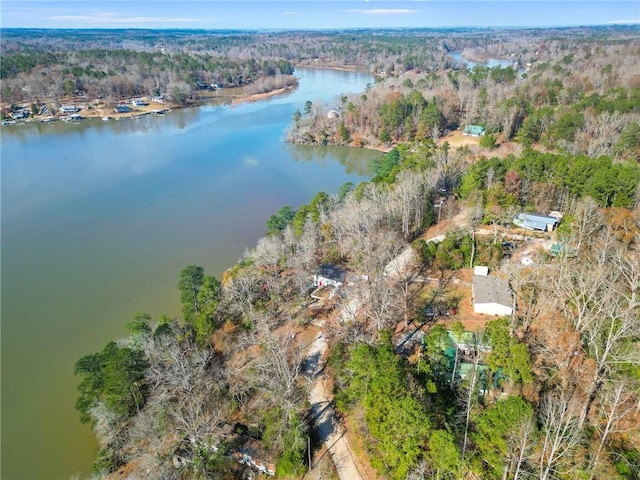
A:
[(71, 118), (106, 119)]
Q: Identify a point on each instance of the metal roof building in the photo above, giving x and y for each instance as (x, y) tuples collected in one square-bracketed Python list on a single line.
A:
[(534, 221), (473, 130)]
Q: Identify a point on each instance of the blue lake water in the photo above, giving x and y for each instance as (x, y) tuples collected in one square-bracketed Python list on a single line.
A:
[(98, 219), (491, 62)]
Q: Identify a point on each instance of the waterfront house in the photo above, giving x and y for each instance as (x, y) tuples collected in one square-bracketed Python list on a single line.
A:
[(328, 278), (20, 113), (69, 109), (202, 85), (121, 108), (329, 275)]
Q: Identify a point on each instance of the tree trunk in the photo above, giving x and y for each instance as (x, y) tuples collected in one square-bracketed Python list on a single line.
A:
[(470, 394)]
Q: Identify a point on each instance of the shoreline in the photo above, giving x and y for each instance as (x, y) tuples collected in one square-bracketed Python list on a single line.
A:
[(228, 98), (340, 68), (254, 97), (379, 148)]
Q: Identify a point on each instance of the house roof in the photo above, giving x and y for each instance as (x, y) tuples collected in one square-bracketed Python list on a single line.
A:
[(465, 368), (469, 338), (332, 272), (534, 220), (491, 290), (536, 217), (532, 224), (474, 129)]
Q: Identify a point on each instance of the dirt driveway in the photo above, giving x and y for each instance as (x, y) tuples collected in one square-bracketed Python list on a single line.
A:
[(328, 429)]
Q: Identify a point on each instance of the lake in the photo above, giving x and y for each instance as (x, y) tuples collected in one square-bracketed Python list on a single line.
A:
[(99, 218), (491, 62)]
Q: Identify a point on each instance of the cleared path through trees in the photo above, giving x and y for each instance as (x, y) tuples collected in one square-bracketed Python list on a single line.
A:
[(328, 429)]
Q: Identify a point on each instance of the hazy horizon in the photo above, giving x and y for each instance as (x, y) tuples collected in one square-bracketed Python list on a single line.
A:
[(314, 15)]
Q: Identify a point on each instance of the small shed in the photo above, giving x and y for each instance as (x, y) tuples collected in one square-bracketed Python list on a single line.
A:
[(492, 296), (561, 248), (333, 114), (480, 270), (473, 130)]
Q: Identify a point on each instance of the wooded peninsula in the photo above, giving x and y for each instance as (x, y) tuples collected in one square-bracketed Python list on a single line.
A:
[(470, 312)]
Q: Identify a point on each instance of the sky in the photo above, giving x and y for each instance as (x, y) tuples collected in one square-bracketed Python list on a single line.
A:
[(314, 14)]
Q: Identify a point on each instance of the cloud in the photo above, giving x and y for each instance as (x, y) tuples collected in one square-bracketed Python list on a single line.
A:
[(289, 13), (380, 11), (119, 19), (623, 22)]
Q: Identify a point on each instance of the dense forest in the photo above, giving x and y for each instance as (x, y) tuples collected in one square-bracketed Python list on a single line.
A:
[(573, 94), (46, 67), (353, 317)]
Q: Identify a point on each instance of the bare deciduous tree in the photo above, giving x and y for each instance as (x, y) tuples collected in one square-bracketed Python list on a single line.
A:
[(616, 403), (560, 430)]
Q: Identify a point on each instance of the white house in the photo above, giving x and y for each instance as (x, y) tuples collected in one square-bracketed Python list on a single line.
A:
[(492, 296), (328, 277), (69, 109)]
